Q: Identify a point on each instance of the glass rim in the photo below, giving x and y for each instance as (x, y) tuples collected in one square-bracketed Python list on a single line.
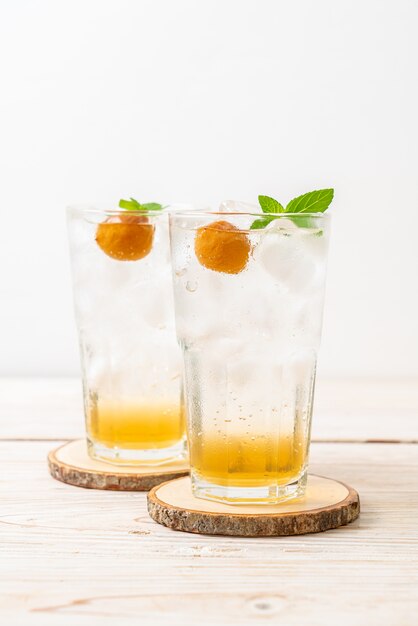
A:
[(174, 213), (88, 209)]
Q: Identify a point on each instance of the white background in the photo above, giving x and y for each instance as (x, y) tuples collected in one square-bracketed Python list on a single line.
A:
[(199, 101)]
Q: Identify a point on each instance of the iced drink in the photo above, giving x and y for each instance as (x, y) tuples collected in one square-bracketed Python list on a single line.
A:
[(129, 352), (248, 314)]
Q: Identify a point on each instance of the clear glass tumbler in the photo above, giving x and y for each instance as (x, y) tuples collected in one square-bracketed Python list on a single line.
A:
[(130, 357), (248, 305)]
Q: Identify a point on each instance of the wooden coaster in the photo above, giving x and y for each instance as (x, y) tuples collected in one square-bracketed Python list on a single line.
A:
[(326, 504), (72, 464)]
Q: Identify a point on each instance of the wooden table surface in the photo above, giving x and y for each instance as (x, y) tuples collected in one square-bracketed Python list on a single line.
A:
[(80, 557)]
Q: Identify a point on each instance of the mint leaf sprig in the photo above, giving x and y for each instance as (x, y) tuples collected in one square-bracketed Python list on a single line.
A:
[(312, 202), (134, 205)]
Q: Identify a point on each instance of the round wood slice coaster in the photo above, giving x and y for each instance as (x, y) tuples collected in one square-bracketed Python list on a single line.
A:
[(326, 504), (72, 464)]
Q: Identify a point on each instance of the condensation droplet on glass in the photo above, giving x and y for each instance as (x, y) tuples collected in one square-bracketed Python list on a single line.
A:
[(191, 286)]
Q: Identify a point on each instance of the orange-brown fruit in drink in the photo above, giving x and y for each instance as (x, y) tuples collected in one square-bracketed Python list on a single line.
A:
[(222, 247), (126, 237)]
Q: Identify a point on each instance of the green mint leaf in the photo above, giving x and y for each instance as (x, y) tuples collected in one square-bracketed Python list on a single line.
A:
[(311, 202), (152, 206), (134, 205), (270, 205), (302, 221), (262, 222), (130, 205)]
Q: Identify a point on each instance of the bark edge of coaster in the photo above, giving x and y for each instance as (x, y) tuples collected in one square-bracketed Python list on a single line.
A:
[(70, 463), (327, 504)]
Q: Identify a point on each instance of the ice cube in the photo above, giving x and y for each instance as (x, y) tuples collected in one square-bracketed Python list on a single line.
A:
[(282, 254), (315, 241), (155, 310), (236, 206), (183, 207), (242, 369), (195, 286), (283, 225)]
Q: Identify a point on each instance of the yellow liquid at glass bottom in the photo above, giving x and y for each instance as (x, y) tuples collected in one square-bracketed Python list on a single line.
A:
[(136, 426), (248, 461)]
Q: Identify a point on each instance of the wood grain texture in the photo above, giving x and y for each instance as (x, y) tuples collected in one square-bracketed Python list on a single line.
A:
[(71, 464), (95, 558), (345, 410), (74, 556), (327, 504)]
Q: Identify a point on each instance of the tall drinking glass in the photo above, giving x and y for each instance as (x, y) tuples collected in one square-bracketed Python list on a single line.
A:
[(129, 352), (248, 306)]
